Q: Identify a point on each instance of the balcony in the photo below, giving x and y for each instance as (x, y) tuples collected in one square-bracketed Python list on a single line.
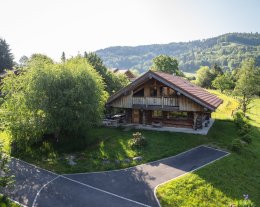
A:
[(155, 103)]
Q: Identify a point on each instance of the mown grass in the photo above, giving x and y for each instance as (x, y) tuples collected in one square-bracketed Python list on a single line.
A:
[(224, 182)]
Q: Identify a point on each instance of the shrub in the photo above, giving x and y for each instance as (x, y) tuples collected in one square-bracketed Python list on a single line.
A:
[(138, 140), (236, 145), (247, 138), (6, 178), (239, 120), (245, 129)]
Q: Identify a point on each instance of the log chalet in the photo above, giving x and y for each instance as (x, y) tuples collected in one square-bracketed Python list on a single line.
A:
[(162, 99)]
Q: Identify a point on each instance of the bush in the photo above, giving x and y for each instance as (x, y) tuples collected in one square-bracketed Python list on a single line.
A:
[(247, 138), (245, 129), (138, 140), (239, 120), (6, 178), (61, 99), (236, 145)]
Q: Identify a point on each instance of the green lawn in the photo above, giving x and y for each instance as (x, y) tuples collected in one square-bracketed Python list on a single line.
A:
[(219, 184), (224, 182)]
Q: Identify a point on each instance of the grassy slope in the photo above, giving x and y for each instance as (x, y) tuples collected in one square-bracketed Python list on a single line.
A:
[(225, 181), (113, 145)]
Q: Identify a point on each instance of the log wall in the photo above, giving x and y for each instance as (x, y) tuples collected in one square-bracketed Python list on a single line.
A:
[(186, 104)]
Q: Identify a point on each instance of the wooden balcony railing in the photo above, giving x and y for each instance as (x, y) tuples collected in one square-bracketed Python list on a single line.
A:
[(155, 101)]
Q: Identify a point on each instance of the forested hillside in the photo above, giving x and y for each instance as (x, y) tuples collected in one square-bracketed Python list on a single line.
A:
[(227, 50)]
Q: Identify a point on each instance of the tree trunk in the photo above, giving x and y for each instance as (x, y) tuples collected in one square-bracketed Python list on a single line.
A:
[(244, 105)]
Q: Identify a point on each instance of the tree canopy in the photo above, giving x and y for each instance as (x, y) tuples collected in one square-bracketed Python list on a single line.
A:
[(223, 82), (63, 57), (247, 85), (60, 99), (38, 58), (6, 57), (113, 82), (204, 77), (23, 61), (166, 64)]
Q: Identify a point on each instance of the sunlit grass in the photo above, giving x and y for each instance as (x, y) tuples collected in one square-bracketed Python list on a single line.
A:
[(193, 191), (5, 139), (224, 111), (224, 182)]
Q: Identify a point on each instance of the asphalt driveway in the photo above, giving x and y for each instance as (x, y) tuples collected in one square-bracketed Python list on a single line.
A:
[(131, 187)]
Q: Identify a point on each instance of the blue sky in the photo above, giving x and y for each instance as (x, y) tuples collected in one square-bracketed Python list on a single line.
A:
[(75, 26)]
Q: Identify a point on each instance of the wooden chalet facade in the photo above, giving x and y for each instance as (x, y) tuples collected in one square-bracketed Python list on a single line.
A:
[(162, 99)]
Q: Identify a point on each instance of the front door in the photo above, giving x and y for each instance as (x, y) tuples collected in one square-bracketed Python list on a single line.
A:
[(136, 116)]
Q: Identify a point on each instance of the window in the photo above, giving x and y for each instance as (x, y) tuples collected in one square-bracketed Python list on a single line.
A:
[(177, 114), (172, 93), (164, 91), (139, 93), (153, 92)]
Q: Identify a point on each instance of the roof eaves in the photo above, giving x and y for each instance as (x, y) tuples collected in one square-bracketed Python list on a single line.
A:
[(128, 87), (184, 92)]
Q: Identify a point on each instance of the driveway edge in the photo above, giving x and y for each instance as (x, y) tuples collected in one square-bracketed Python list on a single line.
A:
[(155, 189)]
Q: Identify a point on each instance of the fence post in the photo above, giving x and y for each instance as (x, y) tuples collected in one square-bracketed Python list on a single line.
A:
[(162, 102)]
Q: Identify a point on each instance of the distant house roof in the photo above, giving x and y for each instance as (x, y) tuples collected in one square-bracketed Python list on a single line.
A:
[(127, 72), (181, 85)]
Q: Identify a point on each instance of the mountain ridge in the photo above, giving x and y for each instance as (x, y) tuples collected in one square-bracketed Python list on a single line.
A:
[(227, 50)]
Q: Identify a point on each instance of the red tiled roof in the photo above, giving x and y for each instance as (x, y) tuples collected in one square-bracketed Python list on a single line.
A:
[(192, 89), (180, 84)]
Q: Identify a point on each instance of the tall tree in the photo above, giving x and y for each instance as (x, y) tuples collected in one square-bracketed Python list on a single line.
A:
[(63, 57), (85, 55), (113, 81), (23, 61), (216, 70), (96, 62), (247, 85), (166, 64), (6, 57)]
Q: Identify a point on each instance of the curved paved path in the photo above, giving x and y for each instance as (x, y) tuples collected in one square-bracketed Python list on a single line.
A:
[(131, 187)]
